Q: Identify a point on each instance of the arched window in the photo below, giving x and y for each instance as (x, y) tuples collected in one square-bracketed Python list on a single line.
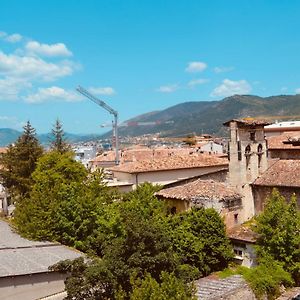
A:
[(247, 154), (259, 153)]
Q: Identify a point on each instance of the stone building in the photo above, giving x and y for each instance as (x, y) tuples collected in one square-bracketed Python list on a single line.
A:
[(247, 153), (204, 193)]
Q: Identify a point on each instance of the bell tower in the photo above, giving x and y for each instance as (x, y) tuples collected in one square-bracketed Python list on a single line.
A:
[(247, 154)]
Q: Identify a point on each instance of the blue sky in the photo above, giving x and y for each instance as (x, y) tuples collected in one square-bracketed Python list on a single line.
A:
[(140, 56)]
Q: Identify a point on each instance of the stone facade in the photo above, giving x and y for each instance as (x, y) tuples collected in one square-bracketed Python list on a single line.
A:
[(247, 159)]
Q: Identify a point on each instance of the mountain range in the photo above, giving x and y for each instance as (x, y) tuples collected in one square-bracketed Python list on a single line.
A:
[(208, 116), (193, 117)]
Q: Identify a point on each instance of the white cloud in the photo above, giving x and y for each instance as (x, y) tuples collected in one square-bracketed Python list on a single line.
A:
[(199, 81), (58, 49), (3, 34), (297, 91), (13, 38), (28, 67), (102, 90), (223, 69), (11, 87), (196, 66), (168, 88), (230, 87), (53, 93)]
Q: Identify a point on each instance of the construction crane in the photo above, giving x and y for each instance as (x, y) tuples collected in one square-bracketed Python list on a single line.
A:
[(87, 94)]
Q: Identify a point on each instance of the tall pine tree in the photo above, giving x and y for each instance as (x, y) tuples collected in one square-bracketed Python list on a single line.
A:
[(19, 162), (59, 142)]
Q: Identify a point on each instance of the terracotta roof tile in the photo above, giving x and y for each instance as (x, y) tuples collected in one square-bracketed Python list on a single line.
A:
[(171, 163), (200, 190), (281, 173), (242, 233), (277, 142), (141, 154)]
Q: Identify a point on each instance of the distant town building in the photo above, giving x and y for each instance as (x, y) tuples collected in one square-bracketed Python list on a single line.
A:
[(85, 154)]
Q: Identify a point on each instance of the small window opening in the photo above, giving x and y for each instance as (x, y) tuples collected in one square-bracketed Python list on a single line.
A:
[(259, 153), (252, 136), (236, 218)]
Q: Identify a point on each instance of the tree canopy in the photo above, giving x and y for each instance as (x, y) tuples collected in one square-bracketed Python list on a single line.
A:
[(19, 162), (58, 139), (278, 227)]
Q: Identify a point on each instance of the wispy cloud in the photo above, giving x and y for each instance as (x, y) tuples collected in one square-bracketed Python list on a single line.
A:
[(102, 90), (199, 81), (196, 66), (223, 69), (168, 88), (297, 91), (231, 87), (58, 49), (53, 93), (11, 38)]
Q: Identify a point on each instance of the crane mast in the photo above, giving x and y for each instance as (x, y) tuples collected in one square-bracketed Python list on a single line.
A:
[(101, 103)]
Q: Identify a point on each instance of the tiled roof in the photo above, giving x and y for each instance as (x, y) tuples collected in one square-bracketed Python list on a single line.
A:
[(171, 163), (248, 122), (19, 256), (210, 288), (200, 190), (281, 173), (277, 142), (141, 154), (242, 233)]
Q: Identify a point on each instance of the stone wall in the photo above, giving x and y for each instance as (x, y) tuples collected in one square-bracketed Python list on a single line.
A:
[(261, 193)]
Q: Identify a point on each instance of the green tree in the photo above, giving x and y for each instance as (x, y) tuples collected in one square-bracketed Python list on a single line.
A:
[(169, 288), (278, 227), (19, 162), (58, 140), (199, 237)]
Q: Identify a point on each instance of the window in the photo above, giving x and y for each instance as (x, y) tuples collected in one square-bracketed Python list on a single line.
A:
[(259, 153), (252, 135), (238, 252), (247, 154), (236, 218)]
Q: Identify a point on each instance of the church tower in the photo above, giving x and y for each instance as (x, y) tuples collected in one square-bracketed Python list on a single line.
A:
[(247, 153)]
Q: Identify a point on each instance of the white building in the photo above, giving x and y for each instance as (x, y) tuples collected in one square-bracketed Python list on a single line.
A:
[(24, 272), (85, 154)]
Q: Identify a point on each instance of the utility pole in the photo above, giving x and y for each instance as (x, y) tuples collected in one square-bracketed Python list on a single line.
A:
[(87, 94)]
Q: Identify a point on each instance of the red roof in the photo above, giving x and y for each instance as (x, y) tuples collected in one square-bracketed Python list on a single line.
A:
[(200, 190), (279, 141), (281, 173), (171, 163)]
